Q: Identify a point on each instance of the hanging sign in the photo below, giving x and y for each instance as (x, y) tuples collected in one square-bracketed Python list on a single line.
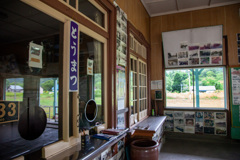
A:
[(89, 67), (35, 55), (9, 111), (73, 63)]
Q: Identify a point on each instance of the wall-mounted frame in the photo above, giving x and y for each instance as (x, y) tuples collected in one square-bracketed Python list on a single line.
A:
[(193, 47), (158, 95)]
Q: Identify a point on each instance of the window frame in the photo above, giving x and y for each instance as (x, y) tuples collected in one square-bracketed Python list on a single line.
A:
[(63, 13), (103, 40), (141, 114), (94, 3), (140, 48), (194, 96)]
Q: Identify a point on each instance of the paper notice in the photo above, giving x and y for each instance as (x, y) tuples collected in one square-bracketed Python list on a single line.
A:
[(156, 84)]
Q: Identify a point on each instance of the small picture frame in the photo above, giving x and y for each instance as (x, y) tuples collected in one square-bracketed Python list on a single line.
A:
[(158, 95)]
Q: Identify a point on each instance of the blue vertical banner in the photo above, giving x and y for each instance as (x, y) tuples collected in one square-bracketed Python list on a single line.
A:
[(73, 64)]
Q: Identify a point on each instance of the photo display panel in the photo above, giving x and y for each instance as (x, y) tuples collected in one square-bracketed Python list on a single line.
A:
[(193, 47)]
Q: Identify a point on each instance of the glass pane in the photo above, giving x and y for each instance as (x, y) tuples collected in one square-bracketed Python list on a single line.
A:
[(209, 87), (178, 83), (120, 87), (14, 89), (199, 88), (135, 106), (90, 78), (88, 9), (72, 3), (49, 97), (27, 101), (121, 120)]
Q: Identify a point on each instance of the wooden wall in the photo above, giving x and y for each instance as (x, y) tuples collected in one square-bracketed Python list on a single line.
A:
[(228, 16), (137, 15)]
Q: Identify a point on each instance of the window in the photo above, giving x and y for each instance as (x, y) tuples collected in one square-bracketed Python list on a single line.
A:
[(14, 89), (91, 66), (196, 87), (138, 89), (23, 69), (91, 10)]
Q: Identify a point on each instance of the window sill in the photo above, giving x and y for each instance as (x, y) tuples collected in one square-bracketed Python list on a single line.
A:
[(196, 109)]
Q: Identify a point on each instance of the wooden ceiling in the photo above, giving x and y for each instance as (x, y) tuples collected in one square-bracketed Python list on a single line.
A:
[(163, 7), (19, 22)]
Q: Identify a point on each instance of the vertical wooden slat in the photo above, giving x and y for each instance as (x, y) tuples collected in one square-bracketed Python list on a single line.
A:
[(65, 100), (77, 5), (1, 88)]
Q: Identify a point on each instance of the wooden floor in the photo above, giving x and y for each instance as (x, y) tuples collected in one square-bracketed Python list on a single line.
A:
[(182, 149)]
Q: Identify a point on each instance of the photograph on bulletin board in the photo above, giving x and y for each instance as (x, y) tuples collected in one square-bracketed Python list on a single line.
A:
[(238, 47)]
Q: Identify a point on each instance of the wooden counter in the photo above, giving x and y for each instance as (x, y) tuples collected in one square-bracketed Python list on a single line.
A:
[(150, 128), (96, 147)]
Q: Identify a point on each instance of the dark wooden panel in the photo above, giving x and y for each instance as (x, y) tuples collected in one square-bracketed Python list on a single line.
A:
[(76, 16)]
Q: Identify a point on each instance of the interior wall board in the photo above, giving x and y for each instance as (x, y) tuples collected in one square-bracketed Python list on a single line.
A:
[(155, 30), (208, 17), (156, 62), (232, 28), (228, 16), (137, 15), (176, 21)]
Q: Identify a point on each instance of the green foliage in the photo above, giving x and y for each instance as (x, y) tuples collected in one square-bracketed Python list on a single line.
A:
[(98, 93), (208, 81), (47, 86), (17, 83), (170, 98), (214, 97), (7, 83), (218, 86), (177, 80), (10, 96)]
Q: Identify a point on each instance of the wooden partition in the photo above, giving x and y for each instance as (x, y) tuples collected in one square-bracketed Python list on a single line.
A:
[(228, 16), (137, 15)]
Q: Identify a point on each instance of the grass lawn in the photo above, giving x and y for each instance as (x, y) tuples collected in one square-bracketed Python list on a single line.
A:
[(46, 99)]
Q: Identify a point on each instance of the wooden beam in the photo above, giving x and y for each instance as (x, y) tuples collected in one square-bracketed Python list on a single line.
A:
[(177, 5), (209, 2)]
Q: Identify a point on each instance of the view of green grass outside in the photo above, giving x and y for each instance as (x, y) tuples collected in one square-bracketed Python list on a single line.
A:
[(208, 84), (46, 99), (11, 96)]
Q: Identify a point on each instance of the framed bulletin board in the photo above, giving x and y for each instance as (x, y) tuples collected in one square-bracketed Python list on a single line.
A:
[(158, 95), (193, 47), (234, 74)]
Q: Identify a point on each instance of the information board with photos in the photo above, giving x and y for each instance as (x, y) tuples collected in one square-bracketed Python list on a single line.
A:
[(193, 47), (121, 36), (198, 122)]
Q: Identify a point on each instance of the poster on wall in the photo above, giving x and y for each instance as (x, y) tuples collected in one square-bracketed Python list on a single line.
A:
[(89, 67), (193, 47), (35, 55), (169, 123), (235, 77), (120, 87), (121, 36), (157, 84), (196, 122), (238, 47), (73, 53)]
